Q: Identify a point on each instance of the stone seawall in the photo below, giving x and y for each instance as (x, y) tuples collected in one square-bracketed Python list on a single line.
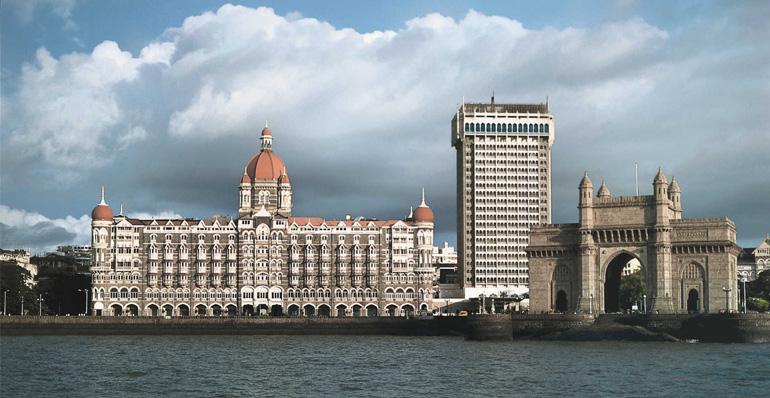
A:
[(47, 325), (724, 328), (714, 328)]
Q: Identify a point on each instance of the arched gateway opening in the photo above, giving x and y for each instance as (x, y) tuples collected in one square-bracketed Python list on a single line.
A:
[(693, 301), (561, 301), (624, 284)]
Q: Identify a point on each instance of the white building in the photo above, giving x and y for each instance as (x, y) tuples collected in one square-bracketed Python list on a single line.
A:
[(265, 261), (503, 187)]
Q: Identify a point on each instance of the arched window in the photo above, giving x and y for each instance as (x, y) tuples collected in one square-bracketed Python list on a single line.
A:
[(561, 273), (477, 127), (692, 271), (467, 127), (520, 129), (483, 128), (546, 128), (509, 127)]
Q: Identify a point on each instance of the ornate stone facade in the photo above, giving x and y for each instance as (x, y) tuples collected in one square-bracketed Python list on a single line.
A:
[(689, 265), (265, 261)]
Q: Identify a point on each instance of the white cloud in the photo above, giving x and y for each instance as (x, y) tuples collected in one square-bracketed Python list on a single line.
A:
[(163, 215), (67, 109), (26, 10), (221, 73), (375, 106), (25, 229)]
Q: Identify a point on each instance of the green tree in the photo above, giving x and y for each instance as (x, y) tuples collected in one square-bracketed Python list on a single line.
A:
[(13, 282), (759, 288), (757, 304), (631, 289)]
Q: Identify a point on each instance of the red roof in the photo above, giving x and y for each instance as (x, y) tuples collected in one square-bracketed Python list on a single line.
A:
[(318, 221), (423, 214), (102, 213), (265, 165)]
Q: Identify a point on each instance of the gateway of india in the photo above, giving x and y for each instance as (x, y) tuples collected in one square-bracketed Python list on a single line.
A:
[(689, 265), (263, 262)]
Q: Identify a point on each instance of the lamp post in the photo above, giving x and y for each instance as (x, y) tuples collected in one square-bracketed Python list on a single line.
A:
[(591, 303), (727, 291), (40, 304), (744, 293), (446, 309), (22, 303), (86, 292), (644, 303), (481, 296), (5, 299)]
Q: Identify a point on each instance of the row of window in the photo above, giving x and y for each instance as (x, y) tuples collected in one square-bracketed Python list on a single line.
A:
[(506, 128)]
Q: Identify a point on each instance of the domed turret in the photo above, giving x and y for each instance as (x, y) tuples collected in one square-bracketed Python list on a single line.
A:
[(102, 211), (604, 192), (265, 165), (245, 179), (674, 187), (423, 213), (586, 182), (284, 178), (660, 177)]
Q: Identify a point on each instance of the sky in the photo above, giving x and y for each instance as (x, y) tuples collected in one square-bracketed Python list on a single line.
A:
[(163, 103)]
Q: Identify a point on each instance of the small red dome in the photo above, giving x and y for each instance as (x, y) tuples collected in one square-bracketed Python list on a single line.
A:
[(266, 131), (423, 214), (102, 212), (245, 179), (284, 179)]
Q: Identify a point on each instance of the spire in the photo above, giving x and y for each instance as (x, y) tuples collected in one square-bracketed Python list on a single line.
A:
[(586, 182), (266, 124), (422, 204), (604, 192), (411, 212), (660, 177), (121, 209), (103, 202)]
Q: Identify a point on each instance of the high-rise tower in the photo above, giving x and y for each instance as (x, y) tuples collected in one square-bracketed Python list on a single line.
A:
[(503, 187)]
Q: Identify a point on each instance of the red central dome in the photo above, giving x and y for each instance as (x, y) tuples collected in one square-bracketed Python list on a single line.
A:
[(265, 165)]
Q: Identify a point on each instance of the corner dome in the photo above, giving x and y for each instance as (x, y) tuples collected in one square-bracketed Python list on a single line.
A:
[(423, 213), (660, 177), (245, 179), (284, 178), (266, 132), (102, 211)]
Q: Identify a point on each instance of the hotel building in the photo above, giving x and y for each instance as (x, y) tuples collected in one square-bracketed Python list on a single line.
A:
[(265, 261), (503, 187)]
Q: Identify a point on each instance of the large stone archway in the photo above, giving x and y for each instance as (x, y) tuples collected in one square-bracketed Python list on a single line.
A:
[(622, 265), (689, 265)]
